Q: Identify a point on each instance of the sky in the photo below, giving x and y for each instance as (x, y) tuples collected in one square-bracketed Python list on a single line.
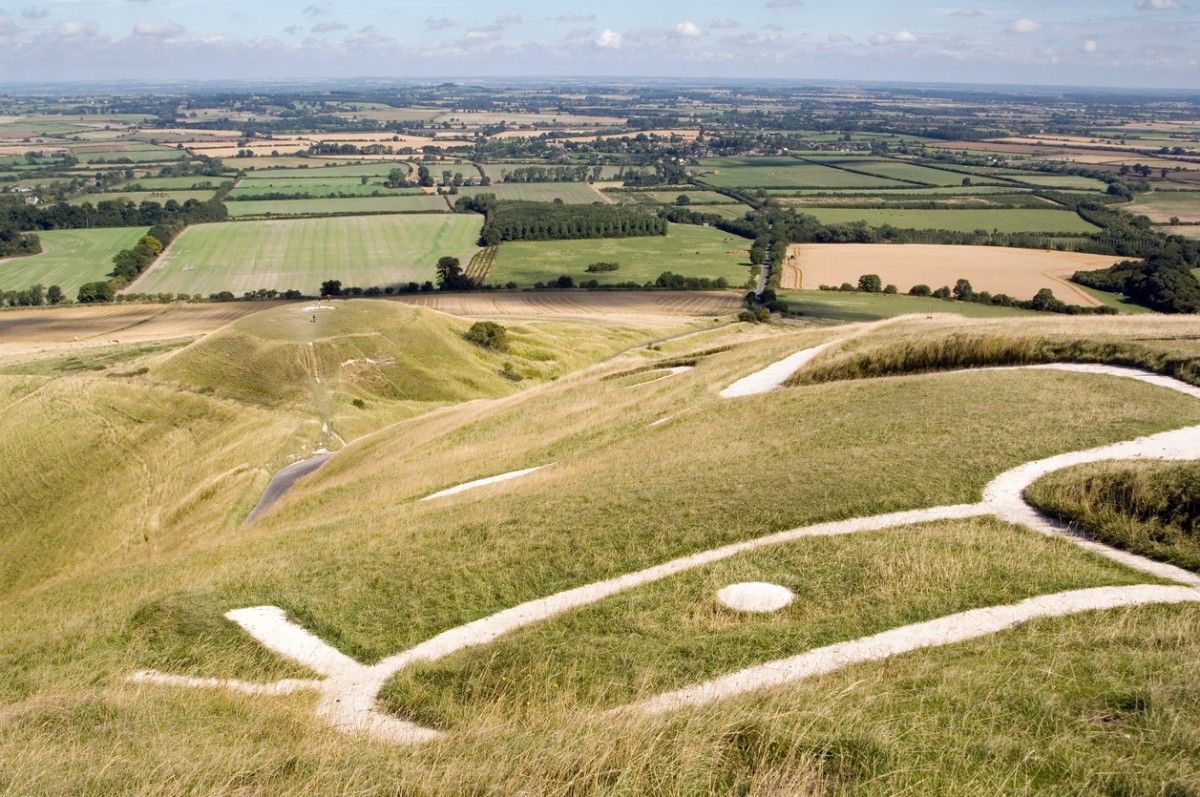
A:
[(1118, 43)]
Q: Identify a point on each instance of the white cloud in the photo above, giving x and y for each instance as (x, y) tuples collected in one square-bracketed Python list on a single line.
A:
[(328, 27), (509, 18), (837, 37), (438, 23), (158, 29), (688, 30), (724, 23), (315, 10), (34, 12), (76, 29), (609, 40), (899, 37), (1088, 46), (1024, 25), (1157, 5), (970, 13), (571, 17), (7, 26)]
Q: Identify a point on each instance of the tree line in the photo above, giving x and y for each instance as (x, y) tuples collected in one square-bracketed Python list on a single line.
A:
[(109, 213), (553, 221)]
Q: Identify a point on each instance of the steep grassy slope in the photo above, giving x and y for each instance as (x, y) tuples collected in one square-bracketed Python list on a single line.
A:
[(1162, 344), (1151, 508), (353, 556), (396, 359)]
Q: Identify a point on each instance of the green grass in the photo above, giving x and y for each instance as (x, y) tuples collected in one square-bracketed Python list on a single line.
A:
[(1116, 300), (1099, 703), (685, 249), (362, 251), (855, 306), (1150, 508), (1002, 219), (749, 172), (158, 195), (69, 258), (143, 154), (570, 193), (314, 207), (672, 633)]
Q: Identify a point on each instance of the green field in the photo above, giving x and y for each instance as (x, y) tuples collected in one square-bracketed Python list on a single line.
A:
[(1002, 219), (249, 189), (855, 306), (570, 193), (423, 203), (138, 154), (899, 170), (158, 195), (69, 258), (172, 183), (319, 171), (364, 251), (783, 173), (685, 249)]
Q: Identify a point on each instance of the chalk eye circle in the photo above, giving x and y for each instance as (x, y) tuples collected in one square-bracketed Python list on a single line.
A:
[(755, 596)]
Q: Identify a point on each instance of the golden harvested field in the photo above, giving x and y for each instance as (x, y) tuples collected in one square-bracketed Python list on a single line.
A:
[(48, 330), (1018, 272)]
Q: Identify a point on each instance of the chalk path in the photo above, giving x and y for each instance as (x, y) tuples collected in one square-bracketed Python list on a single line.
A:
[(348, 689)]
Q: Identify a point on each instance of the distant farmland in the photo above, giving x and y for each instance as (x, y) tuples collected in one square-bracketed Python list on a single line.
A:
[(69, 258), (301, 253)]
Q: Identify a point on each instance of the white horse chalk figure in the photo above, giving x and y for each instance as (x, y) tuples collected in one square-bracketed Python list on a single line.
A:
[(348, 689)]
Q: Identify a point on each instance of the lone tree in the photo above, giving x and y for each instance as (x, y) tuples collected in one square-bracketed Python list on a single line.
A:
[(450, 276), (963, 290), (331, 288), (870, 283)]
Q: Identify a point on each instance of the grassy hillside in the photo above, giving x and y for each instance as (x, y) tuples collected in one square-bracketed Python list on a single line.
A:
[(1084, 704)]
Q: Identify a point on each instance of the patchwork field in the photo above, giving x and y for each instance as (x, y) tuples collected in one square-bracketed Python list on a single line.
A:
[(685, 249), (364, 251), (69, 258), (1001, 219), (409, 203), (1018, 272)]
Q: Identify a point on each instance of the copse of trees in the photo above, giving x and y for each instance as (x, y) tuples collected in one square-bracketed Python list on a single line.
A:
[(553, 221), (488, 335), (1163, 282), (14, 243)]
